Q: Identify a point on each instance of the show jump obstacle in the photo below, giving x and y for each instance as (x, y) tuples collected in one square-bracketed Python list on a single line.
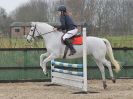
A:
[(72, 78)]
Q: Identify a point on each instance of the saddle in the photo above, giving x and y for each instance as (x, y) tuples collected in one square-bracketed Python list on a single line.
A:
[(75, 40)]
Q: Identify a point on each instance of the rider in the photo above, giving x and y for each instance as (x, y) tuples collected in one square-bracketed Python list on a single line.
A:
[(67, 25)]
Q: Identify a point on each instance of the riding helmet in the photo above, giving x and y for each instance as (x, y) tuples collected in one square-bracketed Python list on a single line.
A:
[(62, 8)]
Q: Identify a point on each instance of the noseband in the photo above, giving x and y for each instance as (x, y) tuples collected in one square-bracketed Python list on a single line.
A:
[(33, 31)]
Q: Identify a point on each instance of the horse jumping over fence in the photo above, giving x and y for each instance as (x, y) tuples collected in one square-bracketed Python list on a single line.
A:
[(97, 47)]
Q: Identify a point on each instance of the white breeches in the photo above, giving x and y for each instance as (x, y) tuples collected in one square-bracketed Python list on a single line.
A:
[(70, 33)]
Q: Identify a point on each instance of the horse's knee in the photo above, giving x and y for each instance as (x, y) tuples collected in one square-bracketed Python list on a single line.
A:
[(43, 65), (41, 60), (42, 56)]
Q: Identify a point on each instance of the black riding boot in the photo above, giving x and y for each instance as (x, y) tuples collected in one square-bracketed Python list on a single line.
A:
[(69, 45)]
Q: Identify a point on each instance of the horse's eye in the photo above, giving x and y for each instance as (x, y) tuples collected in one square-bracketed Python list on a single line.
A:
[(31, 30)]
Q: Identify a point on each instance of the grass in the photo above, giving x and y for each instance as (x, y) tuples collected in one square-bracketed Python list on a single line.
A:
[(121, 41), (20, 43), (116, 41)]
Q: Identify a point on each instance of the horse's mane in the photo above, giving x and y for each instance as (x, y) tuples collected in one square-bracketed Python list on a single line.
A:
[(44, 23)]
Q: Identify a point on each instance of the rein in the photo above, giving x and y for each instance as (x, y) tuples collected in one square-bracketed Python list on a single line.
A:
[(43, 33), (46, 33), (35, 29)]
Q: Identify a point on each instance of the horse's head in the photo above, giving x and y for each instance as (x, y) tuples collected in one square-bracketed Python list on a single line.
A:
[(33, 33), (39, 29)]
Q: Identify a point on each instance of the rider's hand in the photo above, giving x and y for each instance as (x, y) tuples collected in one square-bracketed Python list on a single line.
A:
[(55, 29)]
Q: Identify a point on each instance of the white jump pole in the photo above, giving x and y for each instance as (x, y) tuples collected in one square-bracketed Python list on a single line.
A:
[(71, 78), (84, 61)]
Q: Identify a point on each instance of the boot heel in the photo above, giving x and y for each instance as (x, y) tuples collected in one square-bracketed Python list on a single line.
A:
[(72, 52)]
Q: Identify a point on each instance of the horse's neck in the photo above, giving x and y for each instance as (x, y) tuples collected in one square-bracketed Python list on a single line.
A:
[(52, 39)]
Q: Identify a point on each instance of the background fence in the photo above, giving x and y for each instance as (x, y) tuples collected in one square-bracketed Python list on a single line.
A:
[(23, 64)]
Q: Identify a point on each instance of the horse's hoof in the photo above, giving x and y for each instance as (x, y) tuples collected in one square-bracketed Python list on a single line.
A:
[(46, 74), (104, 85), (113, 80)]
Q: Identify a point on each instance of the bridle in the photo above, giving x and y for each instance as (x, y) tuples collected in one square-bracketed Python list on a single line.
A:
[(35, 29)]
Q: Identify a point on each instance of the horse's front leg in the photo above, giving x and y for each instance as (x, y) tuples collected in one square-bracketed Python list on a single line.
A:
[(42, 56), (49, 58)]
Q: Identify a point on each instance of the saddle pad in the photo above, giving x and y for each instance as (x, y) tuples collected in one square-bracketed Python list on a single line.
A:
[(77, 40)]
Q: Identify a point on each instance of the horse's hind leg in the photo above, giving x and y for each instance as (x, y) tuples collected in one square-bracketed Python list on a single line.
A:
[(101, 67), (108, 64)]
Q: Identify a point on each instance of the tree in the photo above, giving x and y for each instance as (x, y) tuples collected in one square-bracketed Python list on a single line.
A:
[(5, 21), (34, 10), (102, 16)]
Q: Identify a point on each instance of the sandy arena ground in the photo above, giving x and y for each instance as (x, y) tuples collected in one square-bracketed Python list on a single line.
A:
[(123, 89)]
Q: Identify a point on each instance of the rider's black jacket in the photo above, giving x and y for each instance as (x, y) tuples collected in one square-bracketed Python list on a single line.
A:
[(66, 23)]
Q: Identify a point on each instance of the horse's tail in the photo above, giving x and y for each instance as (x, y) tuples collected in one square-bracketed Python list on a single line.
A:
[(111, 56)]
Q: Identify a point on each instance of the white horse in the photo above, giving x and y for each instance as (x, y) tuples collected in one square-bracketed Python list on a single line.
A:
[(97, 47)]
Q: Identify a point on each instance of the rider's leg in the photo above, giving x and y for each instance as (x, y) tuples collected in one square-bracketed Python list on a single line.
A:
[(66, 37), (69, 45)]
